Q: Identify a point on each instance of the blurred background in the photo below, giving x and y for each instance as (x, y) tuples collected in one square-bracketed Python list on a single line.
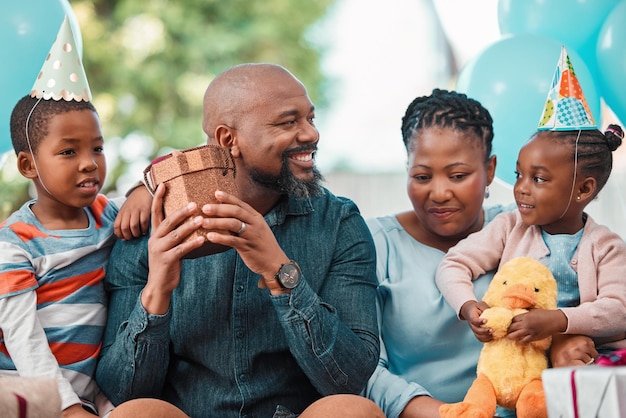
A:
[(363, 62)]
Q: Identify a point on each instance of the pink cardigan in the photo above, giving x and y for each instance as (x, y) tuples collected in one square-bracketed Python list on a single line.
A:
[(599, 261)]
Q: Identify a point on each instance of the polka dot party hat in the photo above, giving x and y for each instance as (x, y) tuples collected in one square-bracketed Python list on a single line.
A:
[(62, 75), (566, 107)]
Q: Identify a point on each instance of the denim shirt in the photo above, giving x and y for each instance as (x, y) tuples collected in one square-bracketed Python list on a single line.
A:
[(226, 348)]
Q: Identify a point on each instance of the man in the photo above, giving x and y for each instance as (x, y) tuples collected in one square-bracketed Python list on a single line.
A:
[(283, 319)]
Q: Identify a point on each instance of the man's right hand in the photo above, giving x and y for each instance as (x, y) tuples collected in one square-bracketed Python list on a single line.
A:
[(166, 249)]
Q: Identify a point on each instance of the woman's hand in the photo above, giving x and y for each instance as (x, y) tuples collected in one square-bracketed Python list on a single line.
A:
[(572, 350)]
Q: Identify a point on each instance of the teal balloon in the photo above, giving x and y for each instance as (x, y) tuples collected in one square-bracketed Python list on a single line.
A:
[(511, 78), (28, 28), (611, 56), (574, 23)]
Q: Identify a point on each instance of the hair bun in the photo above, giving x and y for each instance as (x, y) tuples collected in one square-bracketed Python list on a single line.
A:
[(614, 136)]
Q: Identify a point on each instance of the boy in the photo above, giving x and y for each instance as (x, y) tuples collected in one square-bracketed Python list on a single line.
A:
[(54, 249)]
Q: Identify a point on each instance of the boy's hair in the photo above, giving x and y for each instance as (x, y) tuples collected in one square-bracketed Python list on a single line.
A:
[(448, 109), (593, 152), (43, 111)]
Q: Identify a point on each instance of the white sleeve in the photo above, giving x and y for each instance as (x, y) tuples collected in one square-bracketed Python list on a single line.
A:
[(27, 343)]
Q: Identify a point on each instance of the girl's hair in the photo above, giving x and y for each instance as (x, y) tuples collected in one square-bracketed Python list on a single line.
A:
[(42, 112), (448, 109), (593, 152)]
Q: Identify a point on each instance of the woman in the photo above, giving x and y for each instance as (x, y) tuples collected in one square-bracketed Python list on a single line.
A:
[(428, 356)]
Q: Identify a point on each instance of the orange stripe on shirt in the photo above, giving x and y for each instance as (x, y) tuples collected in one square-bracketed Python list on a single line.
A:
[(97, 208), (58, 290), (26, 232), (16, 280), (69, 353)]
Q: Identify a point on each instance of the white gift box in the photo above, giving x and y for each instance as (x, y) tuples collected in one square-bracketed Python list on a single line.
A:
[(585, 391)]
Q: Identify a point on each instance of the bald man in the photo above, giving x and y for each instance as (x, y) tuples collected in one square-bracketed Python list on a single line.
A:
[(278, 323)]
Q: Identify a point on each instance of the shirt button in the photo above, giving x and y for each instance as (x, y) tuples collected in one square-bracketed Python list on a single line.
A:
[(239, 334), (240, 288), (243, 377)]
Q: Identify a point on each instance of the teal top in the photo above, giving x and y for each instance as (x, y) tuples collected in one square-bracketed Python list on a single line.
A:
[(562, 247), (425, 348)]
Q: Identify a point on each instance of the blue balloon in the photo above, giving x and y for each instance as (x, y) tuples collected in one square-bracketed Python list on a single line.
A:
[(611, 56), (574, 23), (571, 22), (28, 28), (511, 78)]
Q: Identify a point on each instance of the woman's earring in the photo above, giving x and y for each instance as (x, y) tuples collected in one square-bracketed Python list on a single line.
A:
[(578, 198), (487, 192)]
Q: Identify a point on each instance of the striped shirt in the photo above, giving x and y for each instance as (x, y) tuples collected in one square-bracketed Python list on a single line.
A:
[(64, 269)]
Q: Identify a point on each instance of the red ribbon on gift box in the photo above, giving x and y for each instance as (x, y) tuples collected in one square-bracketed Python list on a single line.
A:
[(574, 398), (614, 358)]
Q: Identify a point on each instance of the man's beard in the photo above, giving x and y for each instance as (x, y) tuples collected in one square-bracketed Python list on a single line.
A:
[(287, 183)]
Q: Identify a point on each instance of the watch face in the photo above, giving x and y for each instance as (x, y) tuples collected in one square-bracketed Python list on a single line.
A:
[(289, 275)]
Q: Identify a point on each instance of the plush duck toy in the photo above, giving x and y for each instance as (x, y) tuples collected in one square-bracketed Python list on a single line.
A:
[(509, 372)]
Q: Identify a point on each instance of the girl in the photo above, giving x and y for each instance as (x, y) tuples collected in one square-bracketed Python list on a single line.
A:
[(558, 174)]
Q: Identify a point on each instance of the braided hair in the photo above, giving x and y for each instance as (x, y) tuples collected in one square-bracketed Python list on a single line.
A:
[(591, 149), (39, 119), (448, 109)]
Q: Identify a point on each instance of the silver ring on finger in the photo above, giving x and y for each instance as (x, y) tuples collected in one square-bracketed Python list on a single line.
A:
[(242, 229)]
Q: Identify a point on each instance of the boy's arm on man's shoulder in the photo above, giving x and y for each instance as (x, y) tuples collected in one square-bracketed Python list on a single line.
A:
[(133, 219)]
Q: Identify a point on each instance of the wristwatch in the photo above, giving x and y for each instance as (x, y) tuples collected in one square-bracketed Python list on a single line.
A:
[(289, 275)]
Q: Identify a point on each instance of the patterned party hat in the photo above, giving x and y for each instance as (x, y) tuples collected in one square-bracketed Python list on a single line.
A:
[(566, 107), (62, 75)]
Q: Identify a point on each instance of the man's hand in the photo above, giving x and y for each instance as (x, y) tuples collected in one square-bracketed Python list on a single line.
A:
[(256, 245), (166, 249)]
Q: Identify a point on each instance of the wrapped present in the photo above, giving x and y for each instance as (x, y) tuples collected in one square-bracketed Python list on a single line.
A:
[(29, 397), (594, 391), (193, 175)]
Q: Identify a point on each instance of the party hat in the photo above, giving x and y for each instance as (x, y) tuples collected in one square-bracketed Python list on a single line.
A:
[(566, 107), (62, 75)]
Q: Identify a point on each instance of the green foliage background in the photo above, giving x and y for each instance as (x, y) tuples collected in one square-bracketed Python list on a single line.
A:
[(148, 64)]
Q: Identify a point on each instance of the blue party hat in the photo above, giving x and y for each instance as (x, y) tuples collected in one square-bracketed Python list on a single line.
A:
[(566, 107)]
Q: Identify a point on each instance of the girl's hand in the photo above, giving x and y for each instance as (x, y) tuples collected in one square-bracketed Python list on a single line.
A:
[(471, 311), (537, 324)]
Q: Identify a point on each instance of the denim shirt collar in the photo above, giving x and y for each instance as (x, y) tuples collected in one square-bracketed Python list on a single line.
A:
[(288, 205)]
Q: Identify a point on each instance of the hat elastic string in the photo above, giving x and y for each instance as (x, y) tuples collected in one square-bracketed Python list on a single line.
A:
[(30, 147), (571, 195)]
